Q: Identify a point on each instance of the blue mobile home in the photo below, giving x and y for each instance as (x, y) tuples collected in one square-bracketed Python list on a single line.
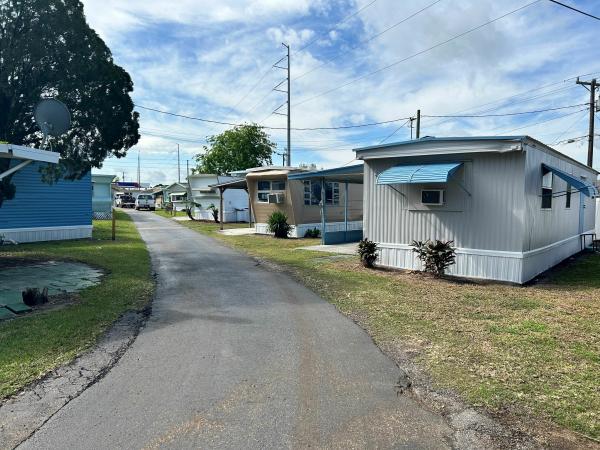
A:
[(41, 211)]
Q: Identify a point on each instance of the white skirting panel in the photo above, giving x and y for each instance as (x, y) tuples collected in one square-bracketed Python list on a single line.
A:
[(513, 267), (23, 235), (299, 230), (538, 260)]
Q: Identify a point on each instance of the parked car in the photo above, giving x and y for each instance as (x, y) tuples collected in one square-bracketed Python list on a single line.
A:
[(145, 201), (127, 201), (118, 200)]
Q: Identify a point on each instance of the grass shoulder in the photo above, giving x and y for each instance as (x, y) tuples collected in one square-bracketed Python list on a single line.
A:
[(34, 345), (533, 351)]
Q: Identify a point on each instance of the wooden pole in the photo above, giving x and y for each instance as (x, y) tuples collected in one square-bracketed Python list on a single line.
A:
[(113, 224)]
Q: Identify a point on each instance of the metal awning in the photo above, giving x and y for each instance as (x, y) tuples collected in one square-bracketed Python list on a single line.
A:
[(26, 155), (236, 183), (345, 174), (178, 193), (419, 173), (586, 188)]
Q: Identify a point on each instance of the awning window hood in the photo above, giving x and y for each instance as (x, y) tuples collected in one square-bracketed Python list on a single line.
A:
[(419, 173), (579, 184)]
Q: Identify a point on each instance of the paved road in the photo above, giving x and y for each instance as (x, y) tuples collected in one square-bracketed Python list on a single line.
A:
[(238, 356)]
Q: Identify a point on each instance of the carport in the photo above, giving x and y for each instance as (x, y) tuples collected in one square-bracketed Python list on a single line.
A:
[(343, 175), (238, 183)]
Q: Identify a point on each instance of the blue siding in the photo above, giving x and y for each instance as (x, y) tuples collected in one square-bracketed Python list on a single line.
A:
[(38, 204)]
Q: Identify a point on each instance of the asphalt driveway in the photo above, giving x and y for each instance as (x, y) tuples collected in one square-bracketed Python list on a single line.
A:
[(236, 355)]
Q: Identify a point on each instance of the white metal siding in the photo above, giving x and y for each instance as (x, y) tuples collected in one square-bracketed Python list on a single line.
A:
[(547, 226), (491, 218)]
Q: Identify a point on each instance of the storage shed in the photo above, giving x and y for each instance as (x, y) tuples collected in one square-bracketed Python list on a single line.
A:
[(41, 211), (513, 206)]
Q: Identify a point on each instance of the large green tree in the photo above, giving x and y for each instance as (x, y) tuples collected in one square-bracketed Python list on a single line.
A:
[(239, 148), (48, 50)]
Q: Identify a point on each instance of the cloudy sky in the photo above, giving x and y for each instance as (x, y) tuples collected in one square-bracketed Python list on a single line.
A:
[(352, 62)]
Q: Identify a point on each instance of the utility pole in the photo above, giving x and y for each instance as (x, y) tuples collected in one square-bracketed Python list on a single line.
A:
[(178, 166), (418, 123), (138, 177), (288, 159), (187, 167), (592, 88), (123, 178), (283, 155)]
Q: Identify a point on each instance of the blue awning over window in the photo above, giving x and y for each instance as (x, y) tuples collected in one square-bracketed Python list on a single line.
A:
[(582, 186), (418, 173)]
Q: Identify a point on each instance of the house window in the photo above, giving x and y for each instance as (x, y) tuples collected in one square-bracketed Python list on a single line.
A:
[(546, 189), (312, 193), (432, 197), (264, 188), (568, 197)]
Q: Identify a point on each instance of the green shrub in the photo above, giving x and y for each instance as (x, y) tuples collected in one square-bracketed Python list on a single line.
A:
[(436, 256), (278, 225), (312, 233), (368, 252)]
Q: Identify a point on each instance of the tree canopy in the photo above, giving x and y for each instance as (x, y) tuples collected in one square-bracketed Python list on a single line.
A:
[(239, 148), (48, 50)]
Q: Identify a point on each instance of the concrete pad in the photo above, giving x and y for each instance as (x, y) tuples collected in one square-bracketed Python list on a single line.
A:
[(238, 231), (340, 249)]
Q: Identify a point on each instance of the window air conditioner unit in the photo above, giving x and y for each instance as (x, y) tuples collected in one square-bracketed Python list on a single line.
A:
[(276, 198), (433, 197)]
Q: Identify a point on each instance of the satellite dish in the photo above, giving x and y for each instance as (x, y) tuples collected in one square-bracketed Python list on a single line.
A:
[(53, 117)]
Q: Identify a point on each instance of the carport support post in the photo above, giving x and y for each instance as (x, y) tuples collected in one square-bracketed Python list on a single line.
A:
[(249, 208), (346, 211), (323, 210), (221, 190)]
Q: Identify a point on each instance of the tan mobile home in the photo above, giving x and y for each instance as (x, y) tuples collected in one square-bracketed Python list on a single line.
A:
[(297, 193)]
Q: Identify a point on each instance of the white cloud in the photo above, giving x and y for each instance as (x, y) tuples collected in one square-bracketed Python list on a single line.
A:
[(201, 58)]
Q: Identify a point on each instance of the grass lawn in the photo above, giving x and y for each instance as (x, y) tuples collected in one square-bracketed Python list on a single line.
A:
[(533, 351), (35, 344)]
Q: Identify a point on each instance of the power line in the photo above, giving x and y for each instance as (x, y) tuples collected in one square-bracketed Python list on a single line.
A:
[(343, 127), (335, 27), (544, 121), (503, 114), (576, 10), (504, 99), (558, 139), (414, 55), (338, 55), (394, 132)]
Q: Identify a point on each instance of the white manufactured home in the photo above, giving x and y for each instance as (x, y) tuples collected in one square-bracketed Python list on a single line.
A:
[(513, 206), (203, 195)]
